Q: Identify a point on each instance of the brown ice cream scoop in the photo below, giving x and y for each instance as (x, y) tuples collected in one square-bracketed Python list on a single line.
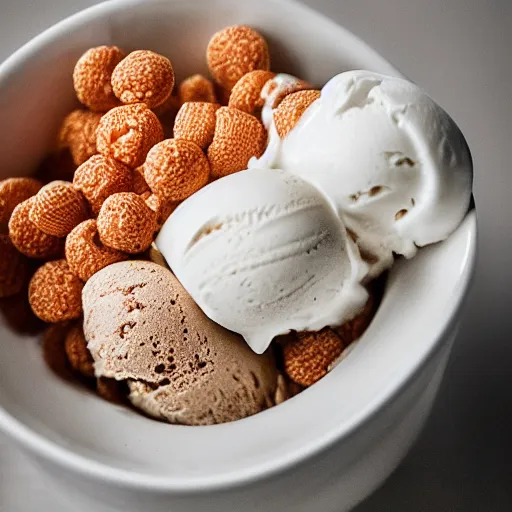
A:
[(142, 326)]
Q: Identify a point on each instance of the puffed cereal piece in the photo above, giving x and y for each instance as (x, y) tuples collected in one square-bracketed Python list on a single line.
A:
[(163, 209), (291, 109), (13, 268), (308, 355), (127, 133), (283, 89), (196, 88), (77, 352), (126, 223), (100, 177), (238, 137), (14, 191), (246, 94), (78, 134), (28, 238), (143, 77), (234, 51), (353, 329), (140, 185), (86, 254), (92, 76), (175, 169), (55, 293), (58, 208), (196, 122)]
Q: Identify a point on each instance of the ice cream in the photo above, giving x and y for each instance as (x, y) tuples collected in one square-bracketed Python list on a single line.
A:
[(393, 162), (262, 252), (143, 327)]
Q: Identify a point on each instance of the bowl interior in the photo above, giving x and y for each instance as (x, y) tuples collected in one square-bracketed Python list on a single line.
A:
[(79, 429)]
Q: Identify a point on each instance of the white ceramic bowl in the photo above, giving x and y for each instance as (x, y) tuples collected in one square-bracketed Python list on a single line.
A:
[(323, 450)]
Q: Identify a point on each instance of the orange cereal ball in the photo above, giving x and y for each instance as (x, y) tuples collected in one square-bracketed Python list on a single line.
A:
[(308, 355), (77, 352), (92, 76), (234, 51), (175, 169), (100, 177), (28, 238), (291, 109), (284, 89), (196, 88), (78, 134), (86, 254), (246, 94), (143, 77), (14, 191), (58, 208), (353, 329), (126, 223), (127, 133), (196, 122), (238, 137), (13, 268), (55, 293), (162, 209), (140, 185)]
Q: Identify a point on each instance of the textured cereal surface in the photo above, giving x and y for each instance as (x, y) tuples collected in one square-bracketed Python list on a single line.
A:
[(14, 268), (196, 88), (77, 352), (14, 191), (238, 137), (85, 252), (163, 209), (92, 77), (291, 109), (100, 177), (175, 169), (283, 90), (353, 329), (234, 51), (246, 94), (140, 185), (127, 133), (196, 122), (55, 292), (143, 76)]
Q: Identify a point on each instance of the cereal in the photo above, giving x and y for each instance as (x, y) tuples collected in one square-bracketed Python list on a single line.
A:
[(77, 352), (55, 293), (162, 209), (100, 177), (353, 329), (58, 208), (140, 185), (291, 109), (238, 137), (308, 355), (14, 191), (175, 169), (127, 133), (78, 134), (285, 88), (92, 76), (28, 238), (234, 51), (86, 254), (196, 88), (246, 94), (126, 223), (196, 122), (143, 76), (13, 268)]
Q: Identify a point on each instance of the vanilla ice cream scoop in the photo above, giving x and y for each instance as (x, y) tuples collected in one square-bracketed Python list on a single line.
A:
[(263, 252), (393, 162)]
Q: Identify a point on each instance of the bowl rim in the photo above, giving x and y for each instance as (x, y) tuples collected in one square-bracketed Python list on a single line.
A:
[(44, 448)]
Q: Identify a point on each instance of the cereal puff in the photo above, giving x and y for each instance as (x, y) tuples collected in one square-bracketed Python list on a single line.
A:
[(353, 329), (100, 177), (276, 89), (14, 191), (246, 94), (13, 268), (196, 122), (143, 76), (234, 51), (55, 293), (291, 109), (140, 185), (175, 169), (162, 209), (238, 137), (126, 223), (92, 77), (196, 88), (28, 238), (78, 134), (58, 208), (77, 352), (86, 254), (127, 133)]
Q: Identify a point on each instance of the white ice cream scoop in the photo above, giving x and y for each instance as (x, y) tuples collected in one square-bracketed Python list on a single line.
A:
[(393, 162), (263, 252)]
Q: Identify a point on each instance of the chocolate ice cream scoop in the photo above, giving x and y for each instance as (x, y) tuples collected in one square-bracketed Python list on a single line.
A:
[(142, 326)]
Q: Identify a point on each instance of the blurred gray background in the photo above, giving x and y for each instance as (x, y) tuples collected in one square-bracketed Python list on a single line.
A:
[(460, 52)]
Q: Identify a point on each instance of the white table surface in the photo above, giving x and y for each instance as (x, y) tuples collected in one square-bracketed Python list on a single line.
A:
[(459, 51)]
